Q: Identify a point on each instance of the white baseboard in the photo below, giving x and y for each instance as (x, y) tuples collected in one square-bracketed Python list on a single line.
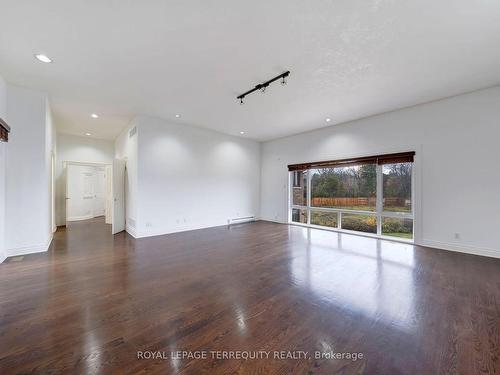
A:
[(163, 232), (467, 249), (131, 230), (272, 220), (29, 249), (2, 258), (78, 218), (144, 234)]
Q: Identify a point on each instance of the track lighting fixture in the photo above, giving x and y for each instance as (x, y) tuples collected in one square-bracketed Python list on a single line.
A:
[(263, 86)]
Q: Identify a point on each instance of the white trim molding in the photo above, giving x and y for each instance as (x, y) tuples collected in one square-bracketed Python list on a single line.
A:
[(145, 233), (79, 218), (24, 250), (466, 249), (131, 230), (273, 221)]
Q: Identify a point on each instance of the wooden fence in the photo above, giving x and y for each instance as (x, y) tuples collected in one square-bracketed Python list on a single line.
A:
[(356, 202)]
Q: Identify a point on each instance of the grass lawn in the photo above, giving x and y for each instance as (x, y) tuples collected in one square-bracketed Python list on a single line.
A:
[(400, 235), (396, 209)]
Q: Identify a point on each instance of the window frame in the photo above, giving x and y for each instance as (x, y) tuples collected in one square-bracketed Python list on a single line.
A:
[(379, 213)]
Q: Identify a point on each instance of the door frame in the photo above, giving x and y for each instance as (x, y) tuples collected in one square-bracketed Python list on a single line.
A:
[(107, 166)]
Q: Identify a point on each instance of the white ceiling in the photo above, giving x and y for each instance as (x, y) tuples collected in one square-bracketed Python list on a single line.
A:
[(349, 59)]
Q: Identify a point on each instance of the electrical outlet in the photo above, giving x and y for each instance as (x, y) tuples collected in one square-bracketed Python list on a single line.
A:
[(148, 225), (457, 236)]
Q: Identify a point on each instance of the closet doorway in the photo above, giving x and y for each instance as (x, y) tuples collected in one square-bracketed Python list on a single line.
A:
[(89, 192)]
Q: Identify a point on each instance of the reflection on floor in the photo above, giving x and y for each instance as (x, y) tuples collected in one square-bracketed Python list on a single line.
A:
[(94, 300), (371, 263)]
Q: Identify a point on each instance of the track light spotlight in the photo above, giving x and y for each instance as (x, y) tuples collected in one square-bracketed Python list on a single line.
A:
[(241, 101), (263, 86)]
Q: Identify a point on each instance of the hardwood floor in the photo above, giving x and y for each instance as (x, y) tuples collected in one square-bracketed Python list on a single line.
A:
[(91, 303)]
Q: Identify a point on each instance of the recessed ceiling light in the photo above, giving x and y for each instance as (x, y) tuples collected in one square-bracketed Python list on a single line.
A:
[(93, 115), (328, 119), (242, 133), (88, 134), (43, 58), (177, 116)]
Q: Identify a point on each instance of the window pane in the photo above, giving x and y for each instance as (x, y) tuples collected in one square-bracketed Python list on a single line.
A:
[(351, 188), (326, 219), (299, 215), (397, 187), (396, 227), (299, 188), (360, 223)]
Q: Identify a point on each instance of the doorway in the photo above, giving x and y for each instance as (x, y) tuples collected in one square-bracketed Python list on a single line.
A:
[(87, 192), (96, 192)]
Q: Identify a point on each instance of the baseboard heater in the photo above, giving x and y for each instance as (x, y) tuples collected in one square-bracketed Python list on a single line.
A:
[(239, 220)]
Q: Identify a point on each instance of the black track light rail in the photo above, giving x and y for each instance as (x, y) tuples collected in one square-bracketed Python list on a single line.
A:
[(263, 86)]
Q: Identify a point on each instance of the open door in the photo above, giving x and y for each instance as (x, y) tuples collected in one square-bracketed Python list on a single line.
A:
[(109, 195), (118, 224), (99, 208)]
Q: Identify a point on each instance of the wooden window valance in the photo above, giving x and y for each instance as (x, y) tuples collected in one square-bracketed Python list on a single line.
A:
[(4, 131), (401, 157)]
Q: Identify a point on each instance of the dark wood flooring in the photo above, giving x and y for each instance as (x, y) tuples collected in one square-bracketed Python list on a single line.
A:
[(94, 300)]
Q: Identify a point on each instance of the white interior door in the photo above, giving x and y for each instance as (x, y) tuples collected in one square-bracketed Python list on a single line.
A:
[(118, 224), (109, 194), (99, 192), (79, 192)]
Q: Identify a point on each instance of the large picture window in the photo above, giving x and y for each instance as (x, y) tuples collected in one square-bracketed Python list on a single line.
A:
[(353, 188), (370, 195), (397, 187)]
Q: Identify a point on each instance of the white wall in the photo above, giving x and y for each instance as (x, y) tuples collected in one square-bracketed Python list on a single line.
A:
[(190, 178), (50, 151), (27, 185), (182, 177), (3, 98), (458, 178), (79, 149), (3, 146)]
